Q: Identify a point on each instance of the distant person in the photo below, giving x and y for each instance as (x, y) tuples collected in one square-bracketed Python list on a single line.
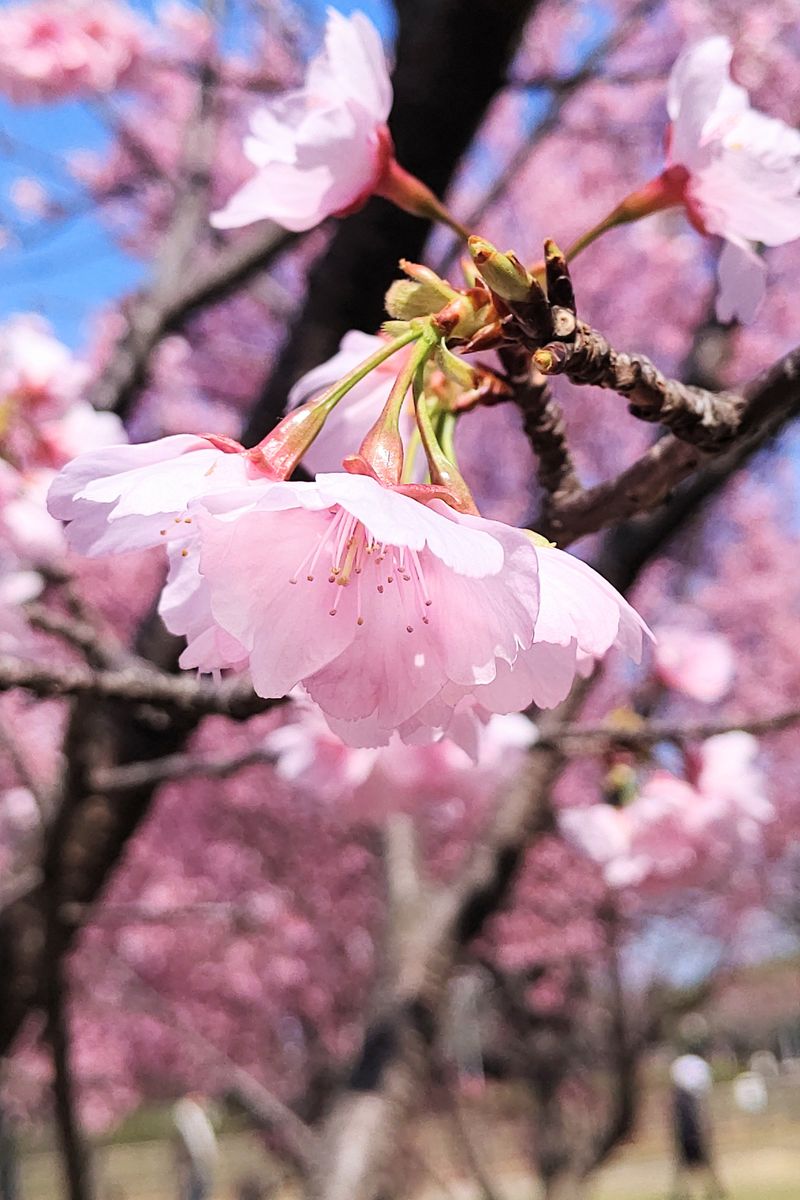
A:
[(691, 1126), (196, 1149)]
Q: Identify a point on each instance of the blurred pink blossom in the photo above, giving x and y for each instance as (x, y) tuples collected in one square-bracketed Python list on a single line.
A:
[(37, 372), (701, 665), (52, 49)]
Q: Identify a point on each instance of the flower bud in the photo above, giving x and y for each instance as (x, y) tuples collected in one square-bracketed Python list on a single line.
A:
[(504, 273)]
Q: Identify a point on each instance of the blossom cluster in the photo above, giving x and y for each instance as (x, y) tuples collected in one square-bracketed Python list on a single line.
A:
[(44, 422), (55, 49)]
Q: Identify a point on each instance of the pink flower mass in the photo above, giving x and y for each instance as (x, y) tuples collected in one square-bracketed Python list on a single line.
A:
[(54, 49), (322, 149)]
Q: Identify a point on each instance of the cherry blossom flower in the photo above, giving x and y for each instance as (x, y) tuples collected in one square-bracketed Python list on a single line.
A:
[(393, 610), (732, 783), (740, 170), (374, 601), (324, 148), (701, 665), (52, 49), (134, 497)]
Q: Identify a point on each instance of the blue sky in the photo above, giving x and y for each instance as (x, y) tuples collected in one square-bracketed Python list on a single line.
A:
[(68, 269)]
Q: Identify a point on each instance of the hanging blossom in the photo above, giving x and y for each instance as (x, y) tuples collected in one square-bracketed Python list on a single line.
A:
[(741, 170), (735, 170), (324, 149), (371, 599), (391, 609), (56, 49), (394, 604)]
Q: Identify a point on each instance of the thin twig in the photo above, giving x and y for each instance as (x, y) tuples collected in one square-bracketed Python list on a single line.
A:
[(666, 731), (709, 420), (135, 775)]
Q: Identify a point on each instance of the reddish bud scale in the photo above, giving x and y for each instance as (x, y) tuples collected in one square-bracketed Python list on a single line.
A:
[(279, 453)]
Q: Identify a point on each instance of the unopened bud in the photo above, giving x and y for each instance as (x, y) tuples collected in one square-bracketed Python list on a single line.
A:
[(406, 299), (456, 369), (552, 359), (559, 284), (504, 273)]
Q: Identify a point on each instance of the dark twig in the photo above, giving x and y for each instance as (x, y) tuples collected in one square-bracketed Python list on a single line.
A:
[(709, 420), (543, 422), (76, 631), (136, 685)]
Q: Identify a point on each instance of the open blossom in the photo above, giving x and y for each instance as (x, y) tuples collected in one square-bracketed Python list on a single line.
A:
[(53, 49), (738, 170), (581, 617), (374, 601), (134, 497), (732, 783), (123, 498), (324, 148), (701, 665)]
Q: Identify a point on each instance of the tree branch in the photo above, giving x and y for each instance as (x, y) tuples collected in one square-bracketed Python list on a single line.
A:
[(763, 408), (703, 418), (544, 426), (140, 684)]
